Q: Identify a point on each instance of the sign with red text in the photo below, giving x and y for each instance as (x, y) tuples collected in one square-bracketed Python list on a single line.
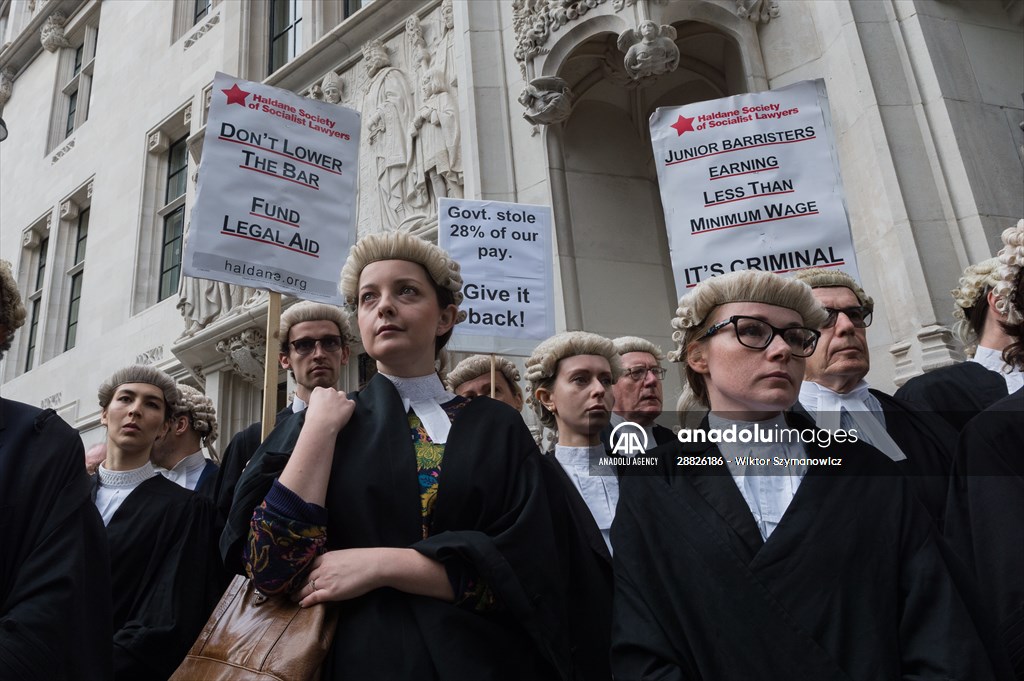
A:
[(275, 203), (752, 182), (504, 250)]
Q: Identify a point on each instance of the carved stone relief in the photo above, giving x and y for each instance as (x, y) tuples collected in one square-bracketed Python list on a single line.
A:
[(759, 11), (51, 35), (548, 100), (244, 352), (6, 85), (331, 88), (650, 50), (203, 301), (151, 356), (52, 402)]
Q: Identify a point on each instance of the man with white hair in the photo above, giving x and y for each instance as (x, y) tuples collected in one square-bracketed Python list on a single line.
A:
[(55, 610), (958, 392), (639, 394), (472, 377), (835, 393), (178, 455)]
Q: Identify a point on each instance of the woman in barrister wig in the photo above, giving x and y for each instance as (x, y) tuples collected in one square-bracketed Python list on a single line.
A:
[(986, 497), (820, 565), (569, 383), (421, 516)]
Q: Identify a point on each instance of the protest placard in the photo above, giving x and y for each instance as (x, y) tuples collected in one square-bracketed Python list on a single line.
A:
[(752, 182), (275, 203), (505, 253)]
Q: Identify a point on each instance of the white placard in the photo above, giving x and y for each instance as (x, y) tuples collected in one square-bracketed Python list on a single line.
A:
[(505, 253), (275, 204), (752, 182)]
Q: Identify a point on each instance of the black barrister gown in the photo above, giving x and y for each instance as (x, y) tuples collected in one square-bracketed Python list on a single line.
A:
[(491, 517), (589, 565), (985, 516), (852, 585), (55, 620), (955, 393), (164, 571), (928, 441)]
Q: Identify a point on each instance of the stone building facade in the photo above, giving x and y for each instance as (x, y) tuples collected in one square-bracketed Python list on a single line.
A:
[(533, 101)]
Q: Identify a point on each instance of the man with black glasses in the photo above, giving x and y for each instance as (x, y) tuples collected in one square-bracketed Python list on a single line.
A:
[(315, 340), (638, 392), (837, 396)]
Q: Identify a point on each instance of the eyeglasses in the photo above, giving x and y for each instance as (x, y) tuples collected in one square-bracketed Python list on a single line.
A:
[(304, 346), (640, 373), (860, 317), (755, 333)]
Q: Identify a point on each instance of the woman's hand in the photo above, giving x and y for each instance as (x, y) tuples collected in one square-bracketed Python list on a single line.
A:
[(341, 576), (350, 573), (329, 409)]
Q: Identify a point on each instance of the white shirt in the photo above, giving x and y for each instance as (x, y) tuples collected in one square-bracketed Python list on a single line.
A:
[(856, 410), (993, 360), (298, 405), (115, 486), (426, 394), (597, 484), (768, 490), (187, 471)]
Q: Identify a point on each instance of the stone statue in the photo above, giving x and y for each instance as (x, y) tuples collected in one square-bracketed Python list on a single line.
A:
[(6, 85), (436, 125), (761, 11), (51, 35), (650, 50), (316, 93), (547, 99), (444, 47), (387, 108), (331, 88)]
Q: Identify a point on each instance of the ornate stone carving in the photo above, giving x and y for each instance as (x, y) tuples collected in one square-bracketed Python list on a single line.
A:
[(203, 301), (52, 402), (315, 92), (387, 109), (51, 35), (60, 153), (245, 354), (30, 238), (157, 142), (548, 100), (6, 85), (758, 11), (331, 88), (69, 210), (201, 31), (186, 117), (151, 356), (650, 50), (88, 190)]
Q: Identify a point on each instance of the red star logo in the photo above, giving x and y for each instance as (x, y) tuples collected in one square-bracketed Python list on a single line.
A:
[(681, 126), (237, 95)]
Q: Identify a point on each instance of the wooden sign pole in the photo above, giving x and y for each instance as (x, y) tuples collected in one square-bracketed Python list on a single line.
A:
[(270, 362)]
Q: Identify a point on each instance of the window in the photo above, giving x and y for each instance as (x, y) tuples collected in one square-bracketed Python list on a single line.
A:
[(76, 272), (74, 79), (173, 218), (164, 216), (200, 8), (35, 300), (285, 32)]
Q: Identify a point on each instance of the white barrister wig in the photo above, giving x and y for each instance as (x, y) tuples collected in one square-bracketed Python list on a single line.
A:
[(478, 365), (139, 373), (819, 277), (199, 408), (627, 344), (1011, 261), (542, 366), (974, 283), (443, 270)]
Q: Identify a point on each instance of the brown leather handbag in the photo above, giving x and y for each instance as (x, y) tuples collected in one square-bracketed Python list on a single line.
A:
[(253, 637)]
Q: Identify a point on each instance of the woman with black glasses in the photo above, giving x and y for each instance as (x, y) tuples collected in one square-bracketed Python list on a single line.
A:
[(764, 548)]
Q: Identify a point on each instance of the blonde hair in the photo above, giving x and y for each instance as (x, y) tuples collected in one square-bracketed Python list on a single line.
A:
[(692, 318), (140, 373), (12, 312), (199, 409), (819, 277), (542, 366), (1011, 261), (478, 365), (308, 311), (627, 344), (975, 282)]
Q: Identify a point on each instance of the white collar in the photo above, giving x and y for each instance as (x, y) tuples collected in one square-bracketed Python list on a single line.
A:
[(864, 409), (579, 457), (298, 404), (425, 394), (132, 478), (192, 462)]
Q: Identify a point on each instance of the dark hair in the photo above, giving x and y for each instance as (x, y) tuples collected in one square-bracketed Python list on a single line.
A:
[(444, 299), (977, 313)]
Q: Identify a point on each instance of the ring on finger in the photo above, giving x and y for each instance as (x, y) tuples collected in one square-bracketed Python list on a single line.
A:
[(312, 584)]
